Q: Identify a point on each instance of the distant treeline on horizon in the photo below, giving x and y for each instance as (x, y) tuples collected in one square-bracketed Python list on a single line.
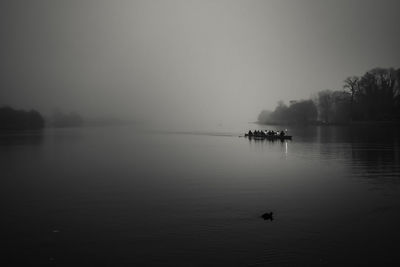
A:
[(373, 97), (14, 119)]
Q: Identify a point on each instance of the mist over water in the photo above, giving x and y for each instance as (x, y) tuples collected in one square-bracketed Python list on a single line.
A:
[(122, 133), (128, 195), (187, 61)]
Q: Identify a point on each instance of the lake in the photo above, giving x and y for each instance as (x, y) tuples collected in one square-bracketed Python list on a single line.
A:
[(130, 195)]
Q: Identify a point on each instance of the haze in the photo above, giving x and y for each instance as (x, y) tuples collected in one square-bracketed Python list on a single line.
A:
[(187, 61)]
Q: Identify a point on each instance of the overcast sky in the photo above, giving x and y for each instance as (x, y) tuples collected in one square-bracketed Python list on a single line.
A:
[(187, 60)]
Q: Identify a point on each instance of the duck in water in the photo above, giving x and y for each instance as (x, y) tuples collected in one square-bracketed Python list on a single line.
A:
[(267, 216)]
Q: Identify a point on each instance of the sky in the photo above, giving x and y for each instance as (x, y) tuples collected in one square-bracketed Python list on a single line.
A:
[(183, 60)]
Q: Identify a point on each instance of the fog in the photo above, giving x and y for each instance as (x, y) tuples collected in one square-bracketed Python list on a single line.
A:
[(187, 61)]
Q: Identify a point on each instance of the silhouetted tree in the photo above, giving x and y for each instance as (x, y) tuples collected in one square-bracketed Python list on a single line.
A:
[(12, 119), (341, 107), (375, 96), (299, 112), (377, 92), (397, 95), (303, 112), (351, 83)]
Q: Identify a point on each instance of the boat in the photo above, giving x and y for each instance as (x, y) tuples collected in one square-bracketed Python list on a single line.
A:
[(267, 136)]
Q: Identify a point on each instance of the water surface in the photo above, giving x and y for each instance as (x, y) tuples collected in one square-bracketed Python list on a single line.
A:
[(125, 195)]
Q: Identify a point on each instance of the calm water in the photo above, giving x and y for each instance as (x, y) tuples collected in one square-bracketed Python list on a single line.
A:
[(128, 196)]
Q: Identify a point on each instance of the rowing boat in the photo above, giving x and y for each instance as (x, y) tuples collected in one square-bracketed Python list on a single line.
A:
[(269, 137)]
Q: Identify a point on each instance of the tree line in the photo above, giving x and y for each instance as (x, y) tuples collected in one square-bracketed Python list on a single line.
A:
[(12, 119), (61, 119), (374, 96)]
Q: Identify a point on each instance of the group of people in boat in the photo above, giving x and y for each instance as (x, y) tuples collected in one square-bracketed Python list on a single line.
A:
[(266, 133)]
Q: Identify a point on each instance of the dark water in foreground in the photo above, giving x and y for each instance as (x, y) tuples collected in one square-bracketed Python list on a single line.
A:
[(123, 197)]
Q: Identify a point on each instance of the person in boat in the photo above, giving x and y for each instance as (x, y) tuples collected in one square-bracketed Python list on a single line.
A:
[(250, 133), (282, 134)]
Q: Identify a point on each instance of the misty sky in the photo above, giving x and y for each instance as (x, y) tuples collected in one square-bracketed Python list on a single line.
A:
[(187, 60)]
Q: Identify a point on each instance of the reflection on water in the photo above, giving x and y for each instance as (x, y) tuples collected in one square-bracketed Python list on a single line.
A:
[(120, 196), (22, 138), (371, 152)]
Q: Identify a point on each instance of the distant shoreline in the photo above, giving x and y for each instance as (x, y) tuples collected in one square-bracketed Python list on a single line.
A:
[(354, 123)]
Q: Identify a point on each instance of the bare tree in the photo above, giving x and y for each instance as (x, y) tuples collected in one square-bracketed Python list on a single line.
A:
[(351, 83)]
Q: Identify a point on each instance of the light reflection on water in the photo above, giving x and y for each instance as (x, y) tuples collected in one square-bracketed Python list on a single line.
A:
[(122, 196)]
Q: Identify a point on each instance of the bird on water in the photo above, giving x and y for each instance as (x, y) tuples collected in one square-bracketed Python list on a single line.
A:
[(267, 216)]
